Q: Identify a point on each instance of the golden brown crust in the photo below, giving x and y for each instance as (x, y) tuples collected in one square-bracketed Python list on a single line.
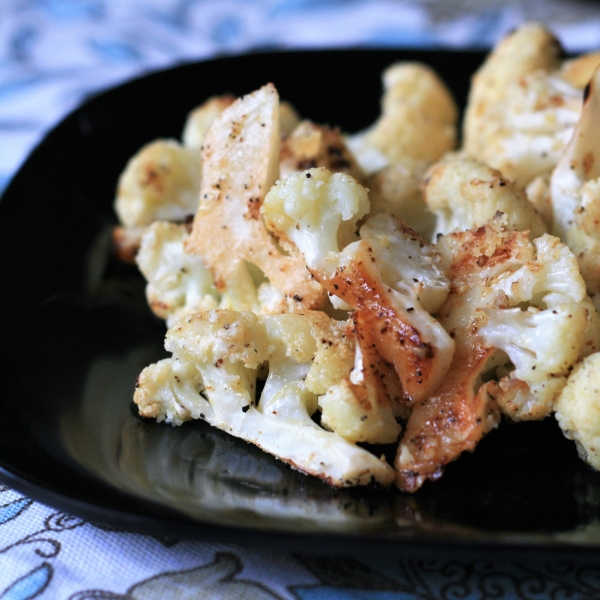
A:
[(381, 324)]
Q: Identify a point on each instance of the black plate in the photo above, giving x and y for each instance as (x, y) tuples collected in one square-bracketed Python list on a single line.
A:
[(76, 332)]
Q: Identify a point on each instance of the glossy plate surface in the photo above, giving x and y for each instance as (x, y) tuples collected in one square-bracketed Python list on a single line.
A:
[(76, 332)]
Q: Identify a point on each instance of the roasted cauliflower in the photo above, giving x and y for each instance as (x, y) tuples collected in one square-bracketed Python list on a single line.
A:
[(578, 409), (389, 274), (212, 375), (418, 119), (464, 193)]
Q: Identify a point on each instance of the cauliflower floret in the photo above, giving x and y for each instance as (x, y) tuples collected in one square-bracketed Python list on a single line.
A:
[(172, 391), (311, 145), (575, 190), (202, 117), (524, 301), (525, 335), (548, 276), (461, 411), (578, 409), (552, 305), (464, 193), (418, 119), (383, 274), (178, 282), (240, 158), (317, 211), (161, 182), (227, 348), (520, 111), (396, 189)]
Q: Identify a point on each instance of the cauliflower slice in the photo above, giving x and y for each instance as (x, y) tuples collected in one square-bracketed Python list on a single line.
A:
[(240, 160), (383, 274), (545, 300), (178, 282), (363, 406), (227, 348), (418, 119), (575, 190), (464, 194), (578, 409), (161, 182), (461, 411)]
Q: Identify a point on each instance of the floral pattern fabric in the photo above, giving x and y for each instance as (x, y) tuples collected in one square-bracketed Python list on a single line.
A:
[(54, 53)]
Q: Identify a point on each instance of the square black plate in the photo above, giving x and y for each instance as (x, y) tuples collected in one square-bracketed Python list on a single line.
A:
[(76, 332)]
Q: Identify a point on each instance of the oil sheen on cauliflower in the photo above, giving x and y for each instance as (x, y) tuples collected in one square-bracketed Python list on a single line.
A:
[(212, 375)]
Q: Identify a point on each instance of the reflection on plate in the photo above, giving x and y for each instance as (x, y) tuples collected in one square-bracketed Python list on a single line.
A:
[(79, 332)]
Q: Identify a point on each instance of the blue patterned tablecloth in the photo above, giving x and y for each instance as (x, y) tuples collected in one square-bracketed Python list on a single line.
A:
[(55, 52)]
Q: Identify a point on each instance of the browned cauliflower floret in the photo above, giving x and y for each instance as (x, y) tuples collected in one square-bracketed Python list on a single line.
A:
[(519, 302), (523, 105), (464, 194), (311, 145), (389, 274), (161, 181), (212, 375), (575, 190)]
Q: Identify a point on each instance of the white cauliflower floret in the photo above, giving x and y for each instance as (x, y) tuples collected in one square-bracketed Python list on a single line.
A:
[(549, 276), (541, 344), (227, 349), (178, 282), (396, 189), (172, 390), (363, 406), (578, 409), (316, 210), (418, 119), (161, 182), (552, 326), (464, 193), (319, 218)]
